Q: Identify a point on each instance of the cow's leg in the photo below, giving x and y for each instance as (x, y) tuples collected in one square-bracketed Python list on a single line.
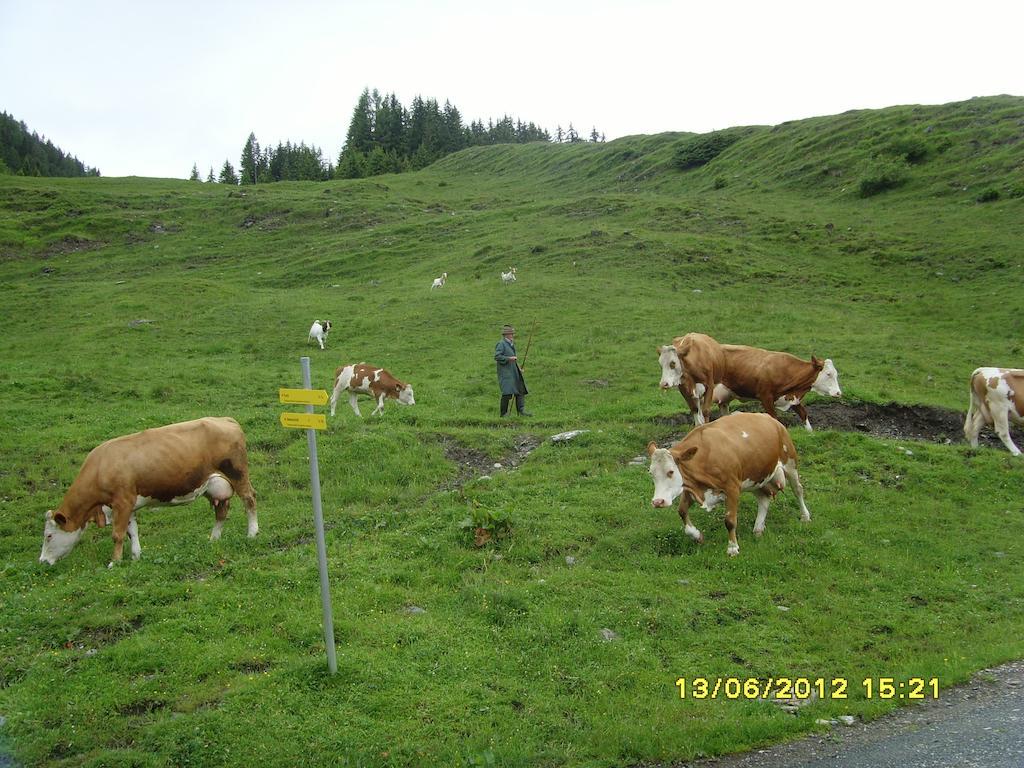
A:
[(220, 512), (1001, 422), (798, 488), (335, 393), (732, 506), (122, 507), (768, 403), (354, 403), (975, 420), (684, 514), (763, 499), (321, 340), (707, 398), (133, 534), (685, 389), (244, 489), (380, 405), (801, 411)]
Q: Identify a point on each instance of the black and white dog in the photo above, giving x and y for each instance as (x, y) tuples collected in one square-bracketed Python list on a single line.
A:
[(319, 331)]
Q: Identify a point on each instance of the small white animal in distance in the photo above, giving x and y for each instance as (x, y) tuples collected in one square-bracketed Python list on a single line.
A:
[(509, 277), (439, 281), (319, 331)]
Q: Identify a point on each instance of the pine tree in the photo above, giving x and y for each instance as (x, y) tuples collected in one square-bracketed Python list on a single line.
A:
[(593, 135), (250, 162), (559, 135), (360, 129), (227, 174), (195, 173), (210, 177)]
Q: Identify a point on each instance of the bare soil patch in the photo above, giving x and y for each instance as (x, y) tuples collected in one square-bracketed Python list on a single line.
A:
[(473, 463), (889, 421)]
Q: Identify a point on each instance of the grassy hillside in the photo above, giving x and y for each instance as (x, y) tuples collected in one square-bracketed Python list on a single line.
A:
[(132, 303)]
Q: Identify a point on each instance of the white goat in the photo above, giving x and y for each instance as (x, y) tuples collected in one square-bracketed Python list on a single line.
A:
[(439, 281), (319, 331), (509, 277)]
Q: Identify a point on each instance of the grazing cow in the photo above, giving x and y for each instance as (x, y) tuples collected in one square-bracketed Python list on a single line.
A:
[(164, 466), (718, 461), (369, 380), (319, 331), (439, 281), (694, 363), (777, 379), (508, 277), (997, 398)]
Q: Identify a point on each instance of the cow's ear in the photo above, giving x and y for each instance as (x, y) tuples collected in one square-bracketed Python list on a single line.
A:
[(60, 519), (819, 364), (651, 448), (687, 454)]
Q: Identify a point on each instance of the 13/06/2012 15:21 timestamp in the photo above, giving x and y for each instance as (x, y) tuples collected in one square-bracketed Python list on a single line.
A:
[(913, 688)]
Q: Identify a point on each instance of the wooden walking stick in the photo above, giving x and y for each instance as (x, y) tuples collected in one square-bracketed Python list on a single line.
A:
[(528, 340)]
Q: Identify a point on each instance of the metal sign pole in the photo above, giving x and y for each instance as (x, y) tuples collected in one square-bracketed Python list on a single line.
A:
[(318, 520)]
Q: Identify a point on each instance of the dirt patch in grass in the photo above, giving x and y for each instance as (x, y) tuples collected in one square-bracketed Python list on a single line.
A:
[(473, 463), (890, 421)]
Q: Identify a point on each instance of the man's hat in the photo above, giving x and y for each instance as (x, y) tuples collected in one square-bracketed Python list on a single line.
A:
[(506, 329)]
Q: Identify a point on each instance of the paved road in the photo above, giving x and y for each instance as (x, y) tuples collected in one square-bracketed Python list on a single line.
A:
[(977, 724)]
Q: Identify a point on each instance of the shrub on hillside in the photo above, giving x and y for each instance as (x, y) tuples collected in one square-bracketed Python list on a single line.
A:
[(912, 149), (883, 175), (988, 196), (701, 150)]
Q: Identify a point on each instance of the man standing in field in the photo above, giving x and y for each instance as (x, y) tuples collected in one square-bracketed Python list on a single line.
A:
[(510, 376)]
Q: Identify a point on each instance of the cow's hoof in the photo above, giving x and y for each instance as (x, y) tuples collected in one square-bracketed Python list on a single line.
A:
[(759, 532), (732, 551), (700, 538)]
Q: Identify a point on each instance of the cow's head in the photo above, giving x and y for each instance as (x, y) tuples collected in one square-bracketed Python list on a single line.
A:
[(827, 382), (404, 393), (668, 480), (671, 366), (57, 539)]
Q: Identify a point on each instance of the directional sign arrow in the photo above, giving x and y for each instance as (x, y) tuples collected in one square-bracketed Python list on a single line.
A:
[(304, 420), (303, 396)]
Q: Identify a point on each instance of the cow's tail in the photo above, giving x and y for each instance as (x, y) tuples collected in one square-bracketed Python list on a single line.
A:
[(978, 412)]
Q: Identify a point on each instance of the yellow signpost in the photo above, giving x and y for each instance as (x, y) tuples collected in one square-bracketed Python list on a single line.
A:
[(303, 397), (304, 420), (310, 422)]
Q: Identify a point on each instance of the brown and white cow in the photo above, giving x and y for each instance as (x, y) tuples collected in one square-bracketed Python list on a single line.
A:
[(707, 372), (778, 380), (363, 379), (997, 398), (694, 363), (718, 461), (163, 466)]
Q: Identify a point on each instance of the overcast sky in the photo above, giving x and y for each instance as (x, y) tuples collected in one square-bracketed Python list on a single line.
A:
[(149, 88)]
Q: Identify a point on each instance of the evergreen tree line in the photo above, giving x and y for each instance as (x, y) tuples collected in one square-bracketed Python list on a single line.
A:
[(28, 154), (384, 137), (286, 162)]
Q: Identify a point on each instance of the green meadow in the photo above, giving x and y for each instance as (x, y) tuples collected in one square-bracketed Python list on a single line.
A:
[(889, 240)]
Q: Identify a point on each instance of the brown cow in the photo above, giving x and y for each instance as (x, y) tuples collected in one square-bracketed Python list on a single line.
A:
[(365, 379), (707, 372), (776, 379), (997, 398), (694, 363), (163, 466), (716, 462)]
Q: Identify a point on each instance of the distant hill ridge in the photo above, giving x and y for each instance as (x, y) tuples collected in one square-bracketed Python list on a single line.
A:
[(28, 154), (933, 150)]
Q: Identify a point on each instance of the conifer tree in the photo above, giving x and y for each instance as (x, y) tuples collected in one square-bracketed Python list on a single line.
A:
[(593, 135), (195, 173), (249, 165), (227, 174), (210, 179)]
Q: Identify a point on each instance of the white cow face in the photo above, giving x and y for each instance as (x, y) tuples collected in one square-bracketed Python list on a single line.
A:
[(56, 541), (405, 395), (671, 367), (827, 382), (668, 480)]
